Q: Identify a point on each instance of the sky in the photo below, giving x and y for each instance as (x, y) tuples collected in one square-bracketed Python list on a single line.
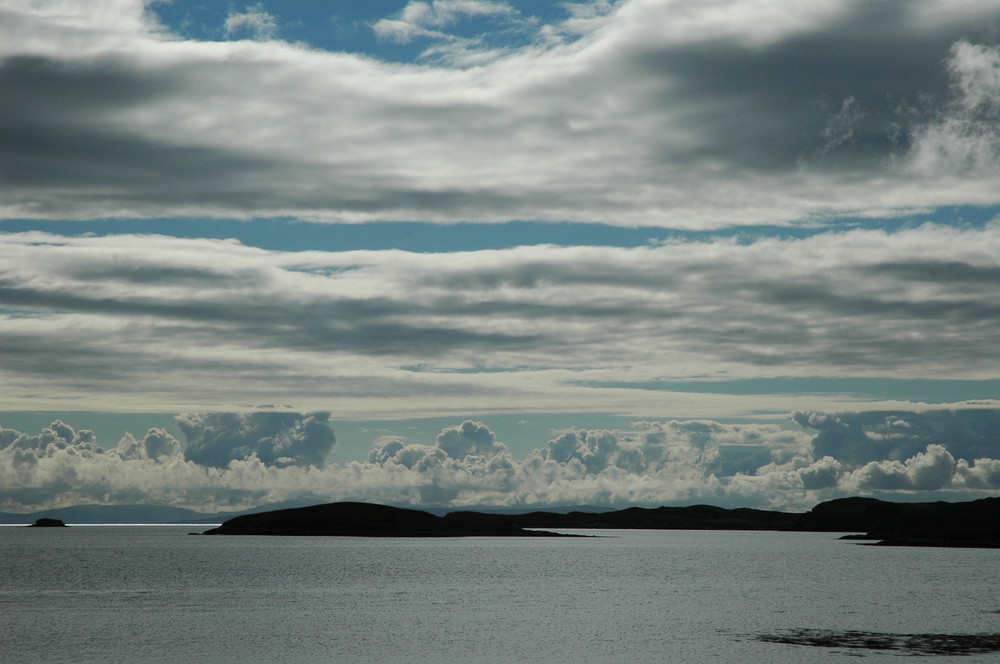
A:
[(498, 253)]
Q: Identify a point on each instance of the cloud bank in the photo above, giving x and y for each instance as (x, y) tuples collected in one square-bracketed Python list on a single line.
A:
[(534, 328), (653, 463), (649, 112)]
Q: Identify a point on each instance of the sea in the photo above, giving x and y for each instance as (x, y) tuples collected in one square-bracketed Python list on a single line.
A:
[(158, 594)]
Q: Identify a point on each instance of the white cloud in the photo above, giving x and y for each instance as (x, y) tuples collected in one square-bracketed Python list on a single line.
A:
[(191, 321), (965, 139), (662, 113), (654, 463), (157, 444), (419, 16), (254, 20), (926, 471), (981, 474)]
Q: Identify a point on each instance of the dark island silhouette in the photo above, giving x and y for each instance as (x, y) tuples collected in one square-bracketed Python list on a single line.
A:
[(942, 524), (48, 523), (969, 524), (364, 520)]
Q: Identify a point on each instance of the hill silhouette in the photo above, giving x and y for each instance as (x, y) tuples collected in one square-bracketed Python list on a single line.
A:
[(363, 520), (970, 524)]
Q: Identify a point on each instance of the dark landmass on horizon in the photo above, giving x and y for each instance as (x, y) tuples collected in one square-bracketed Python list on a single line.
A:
[(965, 524), (366, 520), (969, 524), (137, 514), (167, 514)]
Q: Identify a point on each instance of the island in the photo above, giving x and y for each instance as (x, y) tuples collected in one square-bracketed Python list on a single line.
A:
[(968, 524), (353, 519), (48, 523)]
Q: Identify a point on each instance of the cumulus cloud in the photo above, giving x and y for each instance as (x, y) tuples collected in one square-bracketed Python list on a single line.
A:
[(276, 438), (693, 115), (157, 444), (822, 474), (651, 463), (870, 437), (980, 474), (469, 439), (656, 462), (928, 471)]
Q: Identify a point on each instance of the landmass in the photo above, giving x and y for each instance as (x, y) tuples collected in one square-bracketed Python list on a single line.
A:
[(966, 524), (365, 520), (48, 523), (941, 524), (969, 524)]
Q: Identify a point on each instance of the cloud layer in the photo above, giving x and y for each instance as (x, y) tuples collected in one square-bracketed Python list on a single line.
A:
[(167, 324), (670, 113), (653, 463), (663, 112)]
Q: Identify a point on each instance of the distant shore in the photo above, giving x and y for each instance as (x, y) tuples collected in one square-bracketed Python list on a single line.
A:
[(969, 524)]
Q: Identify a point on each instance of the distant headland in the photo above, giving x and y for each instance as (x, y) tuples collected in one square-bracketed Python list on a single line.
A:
[(969, 524), (366, 520)]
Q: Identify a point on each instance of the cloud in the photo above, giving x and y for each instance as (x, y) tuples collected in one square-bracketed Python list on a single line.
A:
[(981, 474), (255, 21), (928, 471), (652, 463), (276, 438), (822, 474), (469, 439), (670, 113), (157, 444), (594, 327), (417, 18), (862, 438), (964, 139), (655, 462)]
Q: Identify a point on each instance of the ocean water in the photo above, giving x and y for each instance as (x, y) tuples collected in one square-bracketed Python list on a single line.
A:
[(155, 594)]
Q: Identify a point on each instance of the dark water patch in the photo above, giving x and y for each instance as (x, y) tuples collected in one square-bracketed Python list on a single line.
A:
[(909, 644)]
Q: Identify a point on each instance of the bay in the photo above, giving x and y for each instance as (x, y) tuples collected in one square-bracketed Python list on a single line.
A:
[(156, 594)]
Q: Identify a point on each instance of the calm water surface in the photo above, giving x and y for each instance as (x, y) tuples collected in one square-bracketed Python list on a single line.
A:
[(156, 594)]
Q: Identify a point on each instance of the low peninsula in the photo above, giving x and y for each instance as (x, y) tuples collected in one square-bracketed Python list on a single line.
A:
[(349, 519), (940, 524)]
